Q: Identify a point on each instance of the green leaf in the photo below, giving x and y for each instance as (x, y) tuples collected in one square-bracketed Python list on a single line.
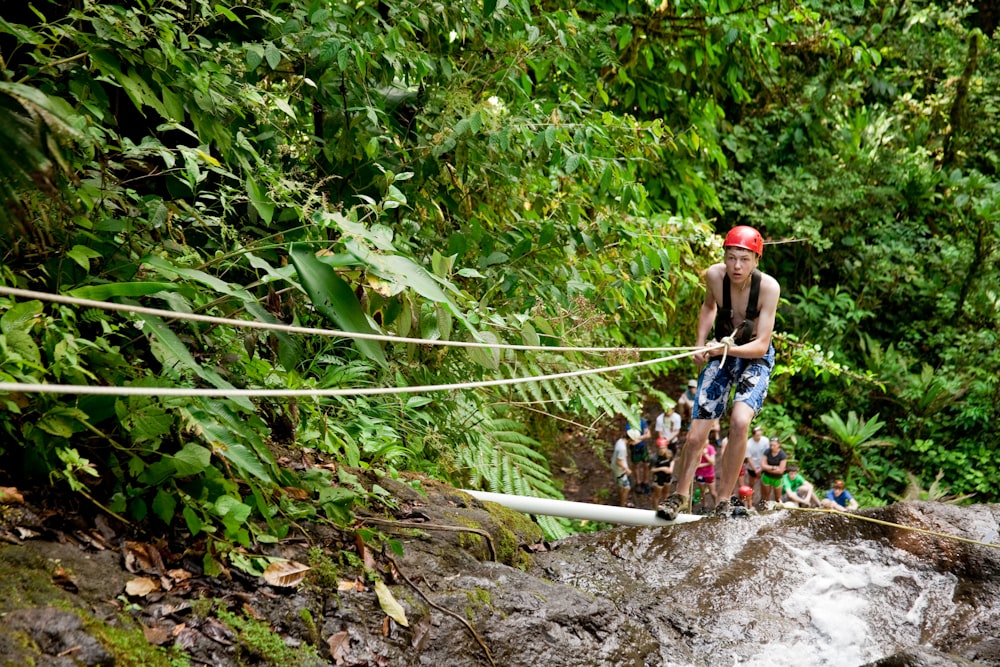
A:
[(335, 300), (389, 605), (164, 504), (63, 422), (489, 6), (259, 199), (192, 459), (112, 290), (21, 317), (82, 255)]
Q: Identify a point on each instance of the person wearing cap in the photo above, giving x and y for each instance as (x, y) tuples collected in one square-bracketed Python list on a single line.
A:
[(740, 305), (668, 425), (685, 404), (839, 498), (639, 451), (756, 447)]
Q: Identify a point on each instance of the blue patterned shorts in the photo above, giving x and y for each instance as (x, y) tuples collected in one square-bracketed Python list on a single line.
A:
[(749, 376)]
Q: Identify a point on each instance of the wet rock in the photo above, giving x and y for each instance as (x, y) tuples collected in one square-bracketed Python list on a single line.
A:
[(59, 636)]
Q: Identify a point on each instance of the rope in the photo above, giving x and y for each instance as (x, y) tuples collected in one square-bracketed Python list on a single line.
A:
[(726, 342), (924, 531), (287, 328), (31, 388)]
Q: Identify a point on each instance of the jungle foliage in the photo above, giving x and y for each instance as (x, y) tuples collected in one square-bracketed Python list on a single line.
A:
[(548, 173)]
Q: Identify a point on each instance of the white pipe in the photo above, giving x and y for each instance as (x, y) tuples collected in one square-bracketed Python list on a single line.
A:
[(568, 509)]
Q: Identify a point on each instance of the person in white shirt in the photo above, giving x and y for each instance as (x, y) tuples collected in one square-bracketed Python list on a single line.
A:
[(668, 426), (757, 446)]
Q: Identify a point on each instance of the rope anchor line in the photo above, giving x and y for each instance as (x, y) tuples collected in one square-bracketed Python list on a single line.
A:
[(42, 388)]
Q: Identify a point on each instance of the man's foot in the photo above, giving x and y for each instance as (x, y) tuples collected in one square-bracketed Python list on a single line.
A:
[(672, 506)]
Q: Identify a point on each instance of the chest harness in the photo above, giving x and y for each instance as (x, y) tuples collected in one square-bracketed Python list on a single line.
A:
[(724, 317)]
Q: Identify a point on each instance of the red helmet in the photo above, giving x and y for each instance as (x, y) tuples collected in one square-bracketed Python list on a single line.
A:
[(745, 237), (661, 442), (746, 491)]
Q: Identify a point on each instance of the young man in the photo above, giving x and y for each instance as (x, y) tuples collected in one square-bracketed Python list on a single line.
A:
[(741, 303), (797, 488), (839, 498)]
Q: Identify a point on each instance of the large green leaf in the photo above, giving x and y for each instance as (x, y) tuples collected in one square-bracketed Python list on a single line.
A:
[(173, 354), (111, 290), (335, 300)]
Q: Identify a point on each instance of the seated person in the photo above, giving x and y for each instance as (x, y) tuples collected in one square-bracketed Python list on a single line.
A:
[(797, 489), (839, 498)]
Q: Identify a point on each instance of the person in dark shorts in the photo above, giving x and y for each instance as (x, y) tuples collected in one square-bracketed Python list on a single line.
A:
[(740, 303)]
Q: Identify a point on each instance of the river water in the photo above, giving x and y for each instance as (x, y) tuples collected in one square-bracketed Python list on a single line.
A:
[(796, 588)]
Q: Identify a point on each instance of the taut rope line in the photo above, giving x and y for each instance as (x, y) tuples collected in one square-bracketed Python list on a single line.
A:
[(31, 388), (287, 328), (924, 531)]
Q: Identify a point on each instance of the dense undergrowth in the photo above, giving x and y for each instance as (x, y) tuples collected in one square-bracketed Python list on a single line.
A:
[(534, 174)]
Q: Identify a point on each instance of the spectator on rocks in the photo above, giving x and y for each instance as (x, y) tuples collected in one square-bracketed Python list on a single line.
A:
[(668, 425), (661, 468), (797, 489), (620, 468), (640, 456), (757, 446), (839, 498), (704, 477), (685, 404), (772, 471)]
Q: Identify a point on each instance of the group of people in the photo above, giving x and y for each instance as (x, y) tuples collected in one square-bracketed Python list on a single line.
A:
[(738, 310), (767, 475)]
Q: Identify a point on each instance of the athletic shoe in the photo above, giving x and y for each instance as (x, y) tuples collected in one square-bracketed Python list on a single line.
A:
[(672, 506), (723, 510)]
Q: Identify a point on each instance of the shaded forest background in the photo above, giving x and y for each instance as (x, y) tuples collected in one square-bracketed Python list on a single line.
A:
[(538, 173)]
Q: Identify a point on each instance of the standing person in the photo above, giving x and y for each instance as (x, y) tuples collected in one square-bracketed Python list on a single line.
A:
[(704, 476), (685, 404), (839, 498), (668, 425), (741, 302), (620, 468), (757, 446), (797, 488), (640, 456), (662, 468), (772, 470)]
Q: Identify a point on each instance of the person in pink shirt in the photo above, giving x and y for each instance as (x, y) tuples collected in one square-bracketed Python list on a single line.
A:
[(704, 476)]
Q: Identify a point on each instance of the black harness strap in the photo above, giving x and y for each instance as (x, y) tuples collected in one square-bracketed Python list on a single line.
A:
[(724, 317)]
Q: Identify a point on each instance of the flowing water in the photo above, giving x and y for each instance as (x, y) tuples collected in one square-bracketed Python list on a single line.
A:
[(793, 588)]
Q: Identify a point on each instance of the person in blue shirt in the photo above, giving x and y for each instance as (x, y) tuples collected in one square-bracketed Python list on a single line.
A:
[(839, 498)]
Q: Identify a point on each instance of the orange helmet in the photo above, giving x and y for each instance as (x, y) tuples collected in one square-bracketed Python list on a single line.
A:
[(746, 492), (745, 237)]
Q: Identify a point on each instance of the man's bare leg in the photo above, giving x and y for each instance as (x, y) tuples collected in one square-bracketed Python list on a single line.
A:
[(690, 455), (727, 469)]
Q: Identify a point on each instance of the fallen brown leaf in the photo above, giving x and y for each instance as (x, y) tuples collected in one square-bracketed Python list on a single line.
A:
[(141, 586), (9, 495), (340, 646), (286, 573)]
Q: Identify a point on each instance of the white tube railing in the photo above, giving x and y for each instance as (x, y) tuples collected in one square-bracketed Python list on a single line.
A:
[(628, 516)]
